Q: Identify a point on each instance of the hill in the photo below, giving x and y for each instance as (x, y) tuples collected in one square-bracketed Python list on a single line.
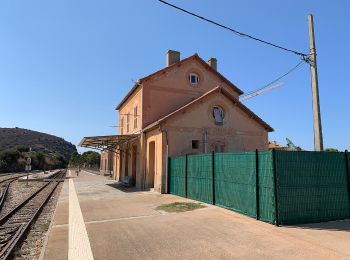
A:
[(11, 138)]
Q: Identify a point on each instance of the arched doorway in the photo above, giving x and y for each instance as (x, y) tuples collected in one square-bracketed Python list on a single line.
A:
[(151, 164)]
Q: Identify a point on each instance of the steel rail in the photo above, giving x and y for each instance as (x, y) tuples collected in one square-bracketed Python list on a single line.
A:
[(23, 228), (4, 192), (16, 173), (24, 202), (15, 177)]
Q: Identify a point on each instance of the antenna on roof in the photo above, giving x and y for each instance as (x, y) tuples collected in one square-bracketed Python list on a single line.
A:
[(260, 91), (135, 82)]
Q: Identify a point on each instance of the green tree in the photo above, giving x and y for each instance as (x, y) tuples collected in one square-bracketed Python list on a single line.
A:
[(22, 148), (87, 159), (10, 156), (14, 160), (61, 161), (39, 161), (8, 159), (91, 158), (75, 159), (331, 150)]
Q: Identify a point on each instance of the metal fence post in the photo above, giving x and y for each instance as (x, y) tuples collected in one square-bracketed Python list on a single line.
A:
[(168, 181), (257, 184), (186, 178), (274, 167), (347, 173), (213, 175)]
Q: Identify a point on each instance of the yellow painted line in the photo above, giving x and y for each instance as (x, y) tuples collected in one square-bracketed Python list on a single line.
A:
[(79, 244)]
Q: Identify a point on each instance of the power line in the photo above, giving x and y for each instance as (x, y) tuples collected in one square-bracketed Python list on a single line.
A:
[(303, 55), (277, 79), (257, 93)]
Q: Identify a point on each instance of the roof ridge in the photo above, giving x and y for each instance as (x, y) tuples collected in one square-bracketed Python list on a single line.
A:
[(226, 93), (194, 56)]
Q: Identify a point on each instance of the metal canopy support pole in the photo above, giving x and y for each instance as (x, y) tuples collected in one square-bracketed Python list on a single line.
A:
[(186, 179), (274, 169), (257, 184), (168, 180)]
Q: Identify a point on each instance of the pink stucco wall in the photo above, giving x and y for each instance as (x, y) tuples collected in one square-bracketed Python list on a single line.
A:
[(171, 90), (166, 92), (238, 132)]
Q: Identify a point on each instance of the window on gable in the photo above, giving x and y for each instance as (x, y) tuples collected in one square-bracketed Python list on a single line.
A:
[(122, 126), (218, 114), (195, 144), (128, 123), (135, 117), (193, 78)]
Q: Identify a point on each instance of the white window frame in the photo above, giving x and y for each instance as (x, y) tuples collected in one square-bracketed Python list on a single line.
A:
[(196, 79)]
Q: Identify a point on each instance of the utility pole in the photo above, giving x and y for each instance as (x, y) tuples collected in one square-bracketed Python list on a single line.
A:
[(318, 139)]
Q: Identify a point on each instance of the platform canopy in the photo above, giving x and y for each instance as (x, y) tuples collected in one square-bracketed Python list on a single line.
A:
[(106, 142)]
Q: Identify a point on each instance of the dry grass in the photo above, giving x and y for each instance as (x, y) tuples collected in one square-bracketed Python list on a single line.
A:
[(180, 206)]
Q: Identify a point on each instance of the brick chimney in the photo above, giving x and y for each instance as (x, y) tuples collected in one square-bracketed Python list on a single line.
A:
[(213, 63), (172, 57)]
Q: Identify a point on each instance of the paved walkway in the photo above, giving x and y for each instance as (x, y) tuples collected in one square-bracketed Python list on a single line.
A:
[(125, 225)]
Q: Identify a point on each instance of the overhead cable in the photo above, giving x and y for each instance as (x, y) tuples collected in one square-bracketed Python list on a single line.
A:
[(303, 55), (275, 80)]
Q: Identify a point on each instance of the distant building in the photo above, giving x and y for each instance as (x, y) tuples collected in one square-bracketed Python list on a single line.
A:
[(106, 162), (276, 146), (186, 108), (289, 147)]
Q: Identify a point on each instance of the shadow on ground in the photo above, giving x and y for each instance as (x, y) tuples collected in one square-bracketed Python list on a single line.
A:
[(340, 225), (121, 187)]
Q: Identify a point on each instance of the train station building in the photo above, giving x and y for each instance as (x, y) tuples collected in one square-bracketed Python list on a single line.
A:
[(188, 107)]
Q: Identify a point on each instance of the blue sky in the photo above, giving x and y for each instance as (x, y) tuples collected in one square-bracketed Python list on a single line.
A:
[(64, 65)]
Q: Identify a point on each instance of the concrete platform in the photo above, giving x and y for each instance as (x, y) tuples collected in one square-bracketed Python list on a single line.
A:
[(38, 176), (123, 224)]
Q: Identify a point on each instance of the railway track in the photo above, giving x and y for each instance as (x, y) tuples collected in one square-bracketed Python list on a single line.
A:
[(4, 187), (5, 183), (16, 223), (6, 176)]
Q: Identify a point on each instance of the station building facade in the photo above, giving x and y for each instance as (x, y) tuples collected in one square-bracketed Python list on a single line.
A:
[(186, 108)]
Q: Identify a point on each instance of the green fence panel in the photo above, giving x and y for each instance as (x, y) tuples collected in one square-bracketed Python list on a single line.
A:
[(348, 174), (266, 187), (199, 176), (312, 187), (177, 175), (235, 179)]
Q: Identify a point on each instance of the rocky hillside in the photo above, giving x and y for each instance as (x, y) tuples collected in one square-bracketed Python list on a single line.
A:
[(48, 144)]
